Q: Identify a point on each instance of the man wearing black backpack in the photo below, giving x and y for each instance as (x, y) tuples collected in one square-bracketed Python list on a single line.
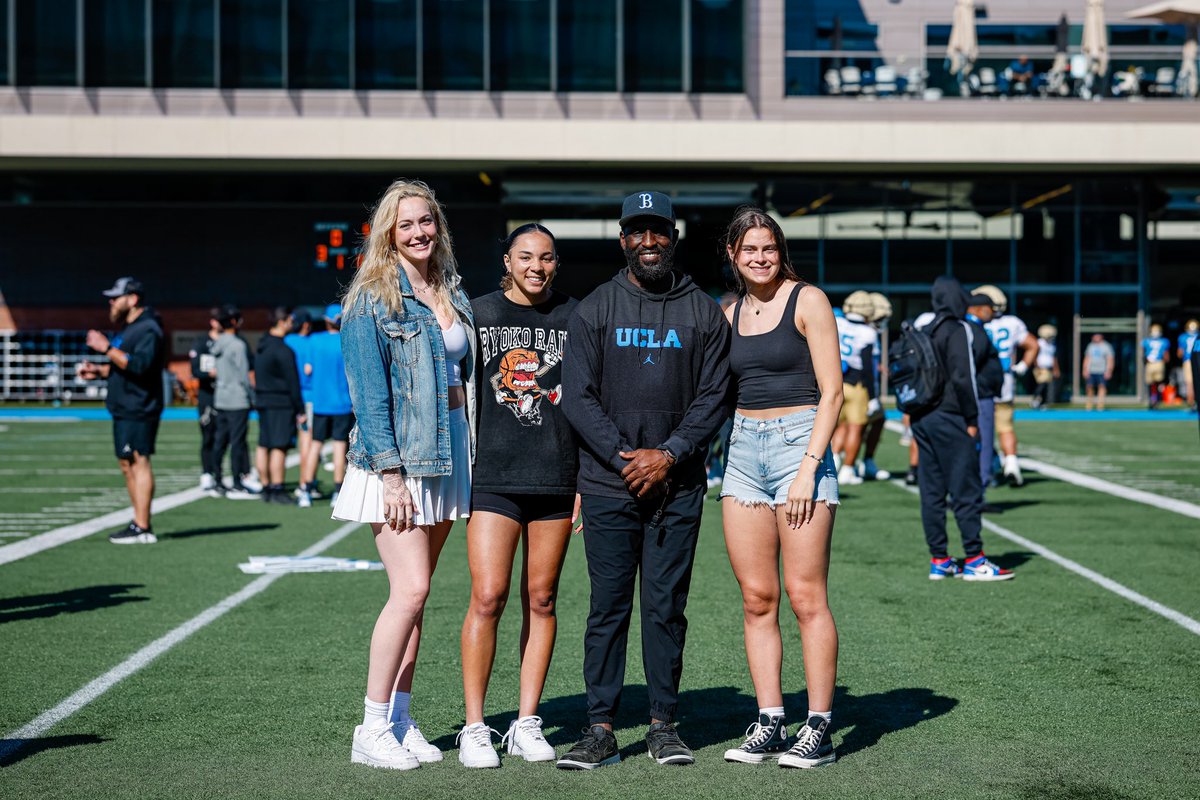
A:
[(946, 431)]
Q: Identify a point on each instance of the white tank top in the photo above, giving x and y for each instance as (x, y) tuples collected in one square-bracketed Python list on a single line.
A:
[(455, 341)]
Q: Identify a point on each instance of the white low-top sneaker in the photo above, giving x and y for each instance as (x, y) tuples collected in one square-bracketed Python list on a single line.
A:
[(415, 742), (376, 746), (847, 477), (525, 739), (475, 748)]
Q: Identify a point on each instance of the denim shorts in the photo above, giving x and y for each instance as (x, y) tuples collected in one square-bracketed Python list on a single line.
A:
[(765, 455)]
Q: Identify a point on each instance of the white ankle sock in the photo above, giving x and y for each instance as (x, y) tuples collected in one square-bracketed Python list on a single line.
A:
[(374, 714), (400, 705), (825, 715), (773, 711)]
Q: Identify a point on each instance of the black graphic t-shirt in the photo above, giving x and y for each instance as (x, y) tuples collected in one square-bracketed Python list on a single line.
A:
[(525, 444)]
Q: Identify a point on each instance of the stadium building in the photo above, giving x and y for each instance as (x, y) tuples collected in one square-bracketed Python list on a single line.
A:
[(229, 150)]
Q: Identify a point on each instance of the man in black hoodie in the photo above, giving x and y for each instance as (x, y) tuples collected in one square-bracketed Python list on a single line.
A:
[(136, 358), (947, 440), (280, 408), (645, 384)]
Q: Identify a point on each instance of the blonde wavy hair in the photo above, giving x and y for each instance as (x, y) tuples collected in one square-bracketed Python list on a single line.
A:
[(377, 273)]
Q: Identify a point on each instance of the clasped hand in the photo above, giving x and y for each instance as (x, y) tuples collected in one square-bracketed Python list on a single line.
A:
[(646, 473)]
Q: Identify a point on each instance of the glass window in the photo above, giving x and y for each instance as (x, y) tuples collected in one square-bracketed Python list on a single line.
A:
[(582, 65), (385, 44), (183, 43), (46, 32), (114, 47), (654, 46), (4, 76), (521, 45), (716, 46), (318, 44), (453, 44), (252, 44)]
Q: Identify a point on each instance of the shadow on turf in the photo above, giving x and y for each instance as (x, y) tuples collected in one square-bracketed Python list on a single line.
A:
[(1012, 560), (27, 748), (720, 714), (263, 526), (71, 601)]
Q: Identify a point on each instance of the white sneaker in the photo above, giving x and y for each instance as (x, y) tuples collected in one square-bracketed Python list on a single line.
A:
[(251, 482), (525, 739), (873, 473), (377, 747), (241, 493), (415, 742), (846, 476), (304, 500), (208, 482), (1012, 470), (475, 748), (906, 437)]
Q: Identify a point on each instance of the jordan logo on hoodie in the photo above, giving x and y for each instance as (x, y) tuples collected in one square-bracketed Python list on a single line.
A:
[(647, 338)]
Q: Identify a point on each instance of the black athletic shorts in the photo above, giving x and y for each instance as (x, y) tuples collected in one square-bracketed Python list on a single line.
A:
[(276, 428), (332, 427), (525, 508), (134, 436)]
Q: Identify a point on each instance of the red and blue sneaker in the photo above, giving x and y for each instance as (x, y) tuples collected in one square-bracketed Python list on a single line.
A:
[(980, 569), (941, 568)]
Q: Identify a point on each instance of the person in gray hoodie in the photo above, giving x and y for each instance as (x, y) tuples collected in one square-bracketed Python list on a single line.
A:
[(233, 398)]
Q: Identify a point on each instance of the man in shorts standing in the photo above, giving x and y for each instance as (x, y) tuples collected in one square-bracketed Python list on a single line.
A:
[(136, 358), (333, 415), (1010, 336), (280, 408), (1098, 362), (1156, 349), (645, 384)]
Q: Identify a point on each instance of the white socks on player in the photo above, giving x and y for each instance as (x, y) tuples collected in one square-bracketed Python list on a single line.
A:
[(773, 711), (374, 714)]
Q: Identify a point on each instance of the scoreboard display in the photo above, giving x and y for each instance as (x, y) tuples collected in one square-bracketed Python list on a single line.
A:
[(334, 247)]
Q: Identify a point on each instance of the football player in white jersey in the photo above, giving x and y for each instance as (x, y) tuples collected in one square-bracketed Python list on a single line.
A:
[(875, 420), (1046, 370), (1011, 338), (859, 343)]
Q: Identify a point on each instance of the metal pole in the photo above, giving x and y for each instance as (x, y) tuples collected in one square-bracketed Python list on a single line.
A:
[(1140, 372), (1076, 358)]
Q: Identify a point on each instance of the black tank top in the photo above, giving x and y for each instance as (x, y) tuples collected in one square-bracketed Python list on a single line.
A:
[(773, 369)]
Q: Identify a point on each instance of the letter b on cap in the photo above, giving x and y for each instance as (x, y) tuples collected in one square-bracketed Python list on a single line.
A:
[(647, 200)]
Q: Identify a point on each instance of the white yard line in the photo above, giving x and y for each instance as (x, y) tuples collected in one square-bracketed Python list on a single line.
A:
[(17, 739), (1182, 620), (1098, 484)]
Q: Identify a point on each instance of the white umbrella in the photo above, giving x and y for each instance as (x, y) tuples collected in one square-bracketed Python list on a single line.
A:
[(1095, 38), (1178, 12), (963, 47)]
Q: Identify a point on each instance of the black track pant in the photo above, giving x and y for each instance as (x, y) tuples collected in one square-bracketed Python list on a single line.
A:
[(949, 464), (231, 434), (620, 536), (209, 462)]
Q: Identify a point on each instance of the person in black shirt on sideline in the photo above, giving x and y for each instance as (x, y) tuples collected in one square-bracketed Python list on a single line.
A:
[(947, 439), (645, 385), (203, 364), (136, 359), (280, 407), (523, 487)]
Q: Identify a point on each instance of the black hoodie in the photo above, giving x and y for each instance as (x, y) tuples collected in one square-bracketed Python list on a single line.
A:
[(136, 391), (961, 347), (276, 380), (645, 370)]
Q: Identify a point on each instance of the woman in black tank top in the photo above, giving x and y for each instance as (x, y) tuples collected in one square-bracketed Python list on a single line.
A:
[(780, 488)]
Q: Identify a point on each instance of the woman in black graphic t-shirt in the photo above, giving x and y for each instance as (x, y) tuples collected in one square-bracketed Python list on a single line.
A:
[(523, 487)]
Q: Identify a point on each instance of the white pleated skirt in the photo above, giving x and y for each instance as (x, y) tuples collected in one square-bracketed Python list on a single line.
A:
[(443, 497)]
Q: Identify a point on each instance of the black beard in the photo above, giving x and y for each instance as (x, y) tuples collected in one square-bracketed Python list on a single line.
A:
[(644, 274)]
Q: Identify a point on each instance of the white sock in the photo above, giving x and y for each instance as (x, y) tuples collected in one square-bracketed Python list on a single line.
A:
[(825, 715), (374, 714), (400, 705), (773, 711)]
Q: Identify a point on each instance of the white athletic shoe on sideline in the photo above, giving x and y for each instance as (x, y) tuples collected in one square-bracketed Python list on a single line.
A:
[(208, 482), (525, 739), (304, 499), (871, 472), (475, 748), (1012, 471), (415, 742), (376, 746), (847, 477), (251, 482)]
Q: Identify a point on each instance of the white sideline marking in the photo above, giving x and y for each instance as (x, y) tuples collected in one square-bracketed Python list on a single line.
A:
[(17, 739), (123, 516), (1097, 484), (1182, 620)]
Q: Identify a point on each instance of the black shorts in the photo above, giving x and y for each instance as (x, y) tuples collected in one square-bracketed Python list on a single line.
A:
[(132, 436), (276, 428), (525, 508), (1097, 381), (335, 427)]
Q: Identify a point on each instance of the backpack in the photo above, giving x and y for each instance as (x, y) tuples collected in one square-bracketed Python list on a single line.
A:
[(914, 372)]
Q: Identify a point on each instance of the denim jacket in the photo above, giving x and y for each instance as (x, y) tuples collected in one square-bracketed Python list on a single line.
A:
[(396, 367)]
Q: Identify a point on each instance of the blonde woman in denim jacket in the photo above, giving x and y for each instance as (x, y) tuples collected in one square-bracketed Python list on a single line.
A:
[(409, 341)]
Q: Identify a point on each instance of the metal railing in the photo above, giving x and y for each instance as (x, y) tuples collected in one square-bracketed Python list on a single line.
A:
[(41, 366)]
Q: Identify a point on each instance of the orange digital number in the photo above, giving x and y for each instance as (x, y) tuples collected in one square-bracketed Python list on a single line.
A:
[(335, 237), (322, 254), (341, 261)]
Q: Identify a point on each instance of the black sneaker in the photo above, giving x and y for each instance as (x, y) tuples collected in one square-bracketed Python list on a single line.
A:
[(812, 747), (911, 478), (765, 739), (665, 746), (597, 748), (133, 535)]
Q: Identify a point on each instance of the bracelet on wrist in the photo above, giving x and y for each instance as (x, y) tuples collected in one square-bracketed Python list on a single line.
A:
[(814, 458), (669, 455)]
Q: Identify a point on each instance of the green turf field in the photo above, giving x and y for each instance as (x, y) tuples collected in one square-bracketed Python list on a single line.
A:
[(1046, 686)]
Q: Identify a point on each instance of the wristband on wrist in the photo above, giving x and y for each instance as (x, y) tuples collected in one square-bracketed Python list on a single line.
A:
[(670, 456)]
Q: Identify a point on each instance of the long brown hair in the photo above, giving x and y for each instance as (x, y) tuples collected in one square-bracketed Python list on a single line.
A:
[(745, 219), (377, 275)]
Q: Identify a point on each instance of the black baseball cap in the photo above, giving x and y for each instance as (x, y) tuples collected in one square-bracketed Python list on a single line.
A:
[(647, 204), (229, 313), (124, 286), (979, 299)]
